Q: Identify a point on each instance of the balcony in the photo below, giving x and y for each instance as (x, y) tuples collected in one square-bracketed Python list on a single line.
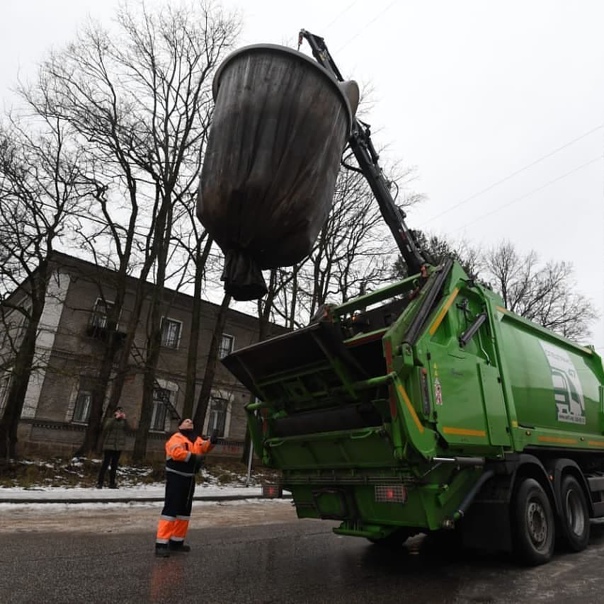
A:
[(100, 329)]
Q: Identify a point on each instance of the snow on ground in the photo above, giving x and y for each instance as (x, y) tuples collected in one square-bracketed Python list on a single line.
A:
[(219, 485), (128, 492), (147, 492)]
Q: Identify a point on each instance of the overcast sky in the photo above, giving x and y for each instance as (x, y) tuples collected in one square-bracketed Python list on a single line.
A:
[(498, 105)]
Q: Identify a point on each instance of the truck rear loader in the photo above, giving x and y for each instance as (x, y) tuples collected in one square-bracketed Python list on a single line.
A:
[(427, 406)]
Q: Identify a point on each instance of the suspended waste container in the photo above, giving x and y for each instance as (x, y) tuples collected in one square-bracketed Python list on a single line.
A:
[(280, 125)]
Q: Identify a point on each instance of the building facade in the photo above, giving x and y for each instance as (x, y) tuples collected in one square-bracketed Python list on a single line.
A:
[(69, 348)]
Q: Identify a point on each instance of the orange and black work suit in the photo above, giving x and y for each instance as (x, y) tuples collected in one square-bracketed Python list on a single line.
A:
[(184, 451)]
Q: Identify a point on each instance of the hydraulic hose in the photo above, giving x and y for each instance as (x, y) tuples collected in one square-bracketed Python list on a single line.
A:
[(465, 504)]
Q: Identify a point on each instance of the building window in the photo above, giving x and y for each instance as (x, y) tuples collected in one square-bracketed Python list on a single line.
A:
[(99, 313), (81, 411), (226, 345), (170, 332), (217, 414), (22, 329), (160, 409), (4, 386)]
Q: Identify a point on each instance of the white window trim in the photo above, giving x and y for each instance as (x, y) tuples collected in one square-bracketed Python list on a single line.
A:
[(173, 388), (105, 303), (72, 401), (172, 320), (5, 381), (75, 390), (228, 396), (72, 408), (222, 337)]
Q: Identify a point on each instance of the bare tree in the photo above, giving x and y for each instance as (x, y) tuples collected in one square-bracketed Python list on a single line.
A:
[(140, 97), (199, 259), (44, 192), (212, 360), (545, 294), (436, 249), (353, 254)]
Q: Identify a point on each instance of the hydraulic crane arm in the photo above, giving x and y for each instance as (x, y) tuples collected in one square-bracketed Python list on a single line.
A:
[(367, 158)]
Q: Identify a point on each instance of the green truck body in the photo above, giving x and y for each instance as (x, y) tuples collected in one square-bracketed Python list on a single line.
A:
[(427, 406)]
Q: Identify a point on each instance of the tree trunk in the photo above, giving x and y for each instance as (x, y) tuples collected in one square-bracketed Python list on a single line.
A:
[(101, 387), (95, 418), (144, 422), (264, 313), (200, 262), (22, 367), (16, 394), (210, 371), (159, 250)]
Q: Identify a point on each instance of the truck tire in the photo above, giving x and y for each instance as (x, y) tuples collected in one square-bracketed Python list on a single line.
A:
[(533, 523), (575, 515)]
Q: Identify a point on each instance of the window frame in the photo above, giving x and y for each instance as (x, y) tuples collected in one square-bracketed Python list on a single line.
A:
[(214, 419), (77, 405), (98, 318), (222, 348), (5, 383), (164, 341), (158, 406)]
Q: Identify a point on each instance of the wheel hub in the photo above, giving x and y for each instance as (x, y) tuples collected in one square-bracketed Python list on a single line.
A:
[(537, 523)]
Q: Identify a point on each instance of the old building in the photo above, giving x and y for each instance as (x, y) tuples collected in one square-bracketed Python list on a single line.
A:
[(69, 346)]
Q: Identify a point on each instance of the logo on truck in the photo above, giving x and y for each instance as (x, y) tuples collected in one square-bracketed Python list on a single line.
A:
[(568, 393)]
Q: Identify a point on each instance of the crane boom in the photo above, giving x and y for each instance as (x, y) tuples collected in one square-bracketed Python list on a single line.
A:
[(367, 158)]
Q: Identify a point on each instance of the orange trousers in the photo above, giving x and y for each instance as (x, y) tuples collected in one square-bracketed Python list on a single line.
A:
[(178, 502)]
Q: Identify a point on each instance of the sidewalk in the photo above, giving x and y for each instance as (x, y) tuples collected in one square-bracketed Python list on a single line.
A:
[(129, 494)]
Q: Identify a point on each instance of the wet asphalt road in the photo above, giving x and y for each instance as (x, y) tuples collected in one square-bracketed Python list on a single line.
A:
[(295, 562)]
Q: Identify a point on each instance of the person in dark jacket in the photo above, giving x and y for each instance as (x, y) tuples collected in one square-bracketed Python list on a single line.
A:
[(184, 456), (114, 441)]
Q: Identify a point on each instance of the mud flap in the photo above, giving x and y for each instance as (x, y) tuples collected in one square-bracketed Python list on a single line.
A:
[(487, 527)]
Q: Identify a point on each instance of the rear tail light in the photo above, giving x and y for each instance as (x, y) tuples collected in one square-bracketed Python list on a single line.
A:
[(272, 491), (396, 493)]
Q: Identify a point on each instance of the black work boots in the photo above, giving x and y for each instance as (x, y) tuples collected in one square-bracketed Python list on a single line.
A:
[(164, 551)]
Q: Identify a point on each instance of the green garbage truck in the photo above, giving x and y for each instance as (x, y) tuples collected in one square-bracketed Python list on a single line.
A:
[(427, 406)]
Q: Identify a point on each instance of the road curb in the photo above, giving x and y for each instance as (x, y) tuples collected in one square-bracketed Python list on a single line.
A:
[(211, 498)]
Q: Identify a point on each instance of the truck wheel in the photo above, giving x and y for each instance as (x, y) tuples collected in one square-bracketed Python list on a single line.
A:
[(575, 514), (533, 523)]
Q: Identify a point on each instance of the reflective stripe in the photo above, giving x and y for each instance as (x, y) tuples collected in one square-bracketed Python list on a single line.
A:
[(187, 457), (187, 474)]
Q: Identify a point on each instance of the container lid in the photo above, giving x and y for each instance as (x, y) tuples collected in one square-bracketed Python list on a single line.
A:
[(276, 48)]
